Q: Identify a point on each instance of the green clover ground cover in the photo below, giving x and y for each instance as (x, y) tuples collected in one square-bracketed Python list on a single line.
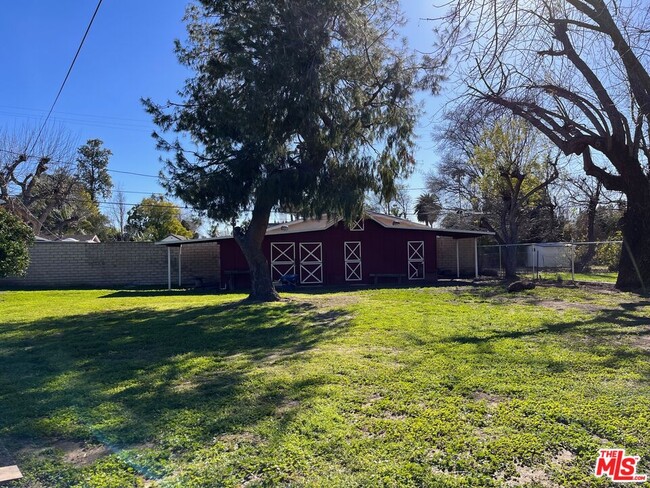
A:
[(394, 387)]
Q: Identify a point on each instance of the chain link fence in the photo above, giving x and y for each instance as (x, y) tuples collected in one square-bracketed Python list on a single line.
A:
[(559, 261)]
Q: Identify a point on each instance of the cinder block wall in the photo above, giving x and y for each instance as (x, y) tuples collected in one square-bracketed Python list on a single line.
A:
[(116, 264), (447, 255)]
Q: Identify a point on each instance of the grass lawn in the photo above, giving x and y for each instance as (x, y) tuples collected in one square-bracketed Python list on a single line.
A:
[(397, 387)]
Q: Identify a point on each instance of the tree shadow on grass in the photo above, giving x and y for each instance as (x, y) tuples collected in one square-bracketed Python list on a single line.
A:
[(177, 378), (621, 330), (154, 293), (607, 322)]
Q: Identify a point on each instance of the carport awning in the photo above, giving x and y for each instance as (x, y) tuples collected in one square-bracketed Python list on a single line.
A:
[(183, 242), (179, 242)]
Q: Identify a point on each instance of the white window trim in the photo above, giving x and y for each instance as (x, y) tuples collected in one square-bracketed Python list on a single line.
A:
[(306, 261), (357, 263), (415, 257), (358, 225), (283, 259)]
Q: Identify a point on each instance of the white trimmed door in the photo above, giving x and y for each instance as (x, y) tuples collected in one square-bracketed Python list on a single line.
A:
[(415, 252), (283, 259), (352, 257), (311, 263)]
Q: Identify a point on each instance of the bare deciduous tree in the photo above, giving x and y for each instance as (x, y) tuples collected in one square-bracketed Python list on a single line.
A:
[(498, 170), (119, 212), (578, 71), (25, 160), (588, 196), (396, 203)]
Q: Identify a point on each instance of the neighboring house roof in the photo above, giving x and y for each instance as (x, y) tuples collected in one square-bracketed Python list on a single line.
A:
[(174, 238), (80, 238), (92, 239), (316, 225)]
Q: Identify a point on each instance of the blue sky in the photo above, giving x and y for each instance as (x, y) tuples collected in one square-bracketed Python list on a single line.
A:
[(127, 55)]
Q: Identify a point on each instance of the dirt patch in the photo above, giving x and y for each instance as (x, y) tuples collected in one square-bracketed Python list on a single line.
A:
[(329, 301), (277, 357), (331, 318), (81, 455), (537, 475), (560, 305), (527, 475), (490, 399), (286, 407), (563, 457), (76, 453), (240, 438), (641, 341), (375, 397), (389, 415)]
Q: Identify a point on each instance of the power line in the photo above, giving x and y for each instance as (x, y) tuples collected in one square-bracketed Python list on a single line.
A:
[(132, 173), (67, 75), (85, 123), (60, 161), (102, 202), (143, 175), (138, 192), (77, 114)]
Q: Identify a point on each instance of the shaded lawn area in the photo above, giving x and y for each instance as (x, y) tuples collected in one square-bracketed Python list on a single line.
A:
[(395, 387), (599, 276)]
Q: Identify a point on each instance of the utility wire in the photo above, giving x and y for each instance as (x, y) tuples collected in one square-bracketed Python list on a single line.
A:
[(186, 207), (125, 120), (132, 173), (67, 75), (144, 175), (60, 161)]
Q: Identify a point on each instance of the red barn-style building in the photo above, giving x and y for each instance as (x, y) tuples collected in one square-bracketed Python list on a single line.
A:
[(380, 248)]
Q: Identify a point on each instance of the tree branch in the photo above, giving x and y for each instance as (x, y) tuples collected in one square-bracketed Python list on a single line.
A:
[(609, 181)]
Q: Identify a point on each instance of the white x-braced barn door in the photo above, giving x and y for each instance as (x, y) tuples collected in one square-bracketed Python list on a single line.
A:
[(311, 263), (352, 257), (416, 260), (283, 259)]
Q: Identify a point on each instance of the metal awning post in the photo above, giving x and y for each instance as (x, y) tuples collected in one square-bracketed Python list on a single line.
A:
[(169, 268), (476, 257), (180, 274), (500, 273), (457, 258)]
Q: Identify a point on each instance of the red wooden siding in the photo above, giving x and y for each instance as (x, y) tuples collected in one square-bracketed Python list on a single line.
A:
[(383, 251)]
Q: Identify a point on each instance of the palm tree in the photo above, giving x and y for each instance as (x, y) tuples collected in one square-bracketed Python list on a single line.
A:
[(427, 208)]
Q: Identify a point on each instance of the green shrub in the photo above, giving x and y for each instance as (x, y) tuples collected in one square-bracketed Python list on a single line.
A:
[(610, 253), (15, 238)]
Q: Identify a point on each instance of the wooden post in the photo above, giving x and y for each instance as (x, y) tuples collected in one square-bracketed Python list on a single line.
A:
[(476, 257), (169, 268), (500, 273), (457, 259), (180, 252)]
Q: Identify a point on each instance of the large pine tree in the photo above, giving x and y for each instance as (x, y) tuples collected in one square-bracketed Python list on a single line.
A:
[(303, 104)]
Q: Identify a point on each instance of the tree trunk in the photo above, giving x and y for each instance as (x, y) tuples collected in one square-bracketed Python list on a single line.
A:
[(510, 232), (635, 252), (250, 242), (510, 261)]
